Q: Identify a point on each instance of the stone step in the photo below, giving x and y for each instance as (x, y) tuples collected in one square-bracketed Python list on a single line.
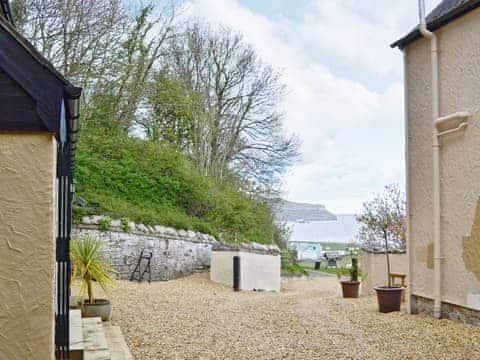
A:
[(76, 335), (116, 343), (94, 340)]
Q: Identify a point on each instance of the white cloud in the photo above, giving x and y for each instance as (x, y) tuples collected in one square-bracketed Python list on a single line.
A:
[(344, 90)]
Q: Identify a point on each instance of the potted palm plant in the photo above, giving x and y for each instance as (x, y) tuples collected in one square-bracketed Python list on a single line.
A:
[(90, 267), (383, 224), (351, 287)]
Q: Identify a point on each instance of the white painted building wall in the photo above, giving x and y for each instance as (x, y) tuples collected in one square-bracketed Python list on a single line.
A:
[(257, 271)]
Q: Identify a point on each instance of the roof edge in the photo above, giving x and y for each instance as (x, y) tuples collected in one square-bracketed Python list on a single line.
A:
[(71, 90), (437, 23)]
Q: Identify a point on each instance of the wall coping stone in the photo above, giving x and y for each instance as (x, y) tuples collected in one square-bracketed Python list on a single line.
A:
[(248, 247), (381, 250), (92, 223)]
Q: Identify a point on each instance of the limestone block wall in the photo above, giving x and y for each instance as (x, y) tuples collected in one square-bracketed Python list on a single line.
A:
[(374, 265), (259, 268), (27, 245), (176, 253)]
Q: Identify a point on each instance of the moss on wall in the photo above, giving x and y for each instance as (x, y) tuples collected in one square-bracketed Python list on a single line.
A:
[(424, 254), (471, 246)]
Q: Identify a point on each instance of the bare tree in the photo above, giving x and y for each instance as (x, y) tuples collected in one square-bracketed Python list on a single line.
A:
[(77, 36), (384, 222), (236, 125), (99, 45)]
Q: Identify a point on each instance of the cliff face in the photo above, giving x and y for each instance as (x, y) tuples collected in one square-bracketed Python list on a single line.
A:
[(292, 211)]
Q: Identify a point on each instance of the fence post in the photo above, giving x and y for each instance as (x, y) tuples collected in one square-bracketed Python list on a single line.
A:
[(236, 273)]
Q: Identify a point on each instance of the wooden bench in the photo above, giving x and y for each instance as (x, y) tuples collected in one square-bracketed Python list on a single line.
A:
[(398, 279)]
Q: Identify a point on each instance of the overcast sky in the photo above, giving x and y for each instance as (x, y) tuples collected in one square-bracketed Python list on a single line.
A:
[(345, 88)]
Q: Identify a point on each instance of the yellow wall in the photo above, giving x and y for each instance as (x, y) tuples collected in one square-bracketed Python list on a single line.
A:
[(27, 244), (459, 69), (374, 269)]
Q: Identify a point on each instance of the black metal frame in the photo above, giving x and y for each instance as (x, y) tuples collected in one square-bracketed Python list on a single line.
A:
[(63, 266), (147, 269), (66, 190), (50, 103)]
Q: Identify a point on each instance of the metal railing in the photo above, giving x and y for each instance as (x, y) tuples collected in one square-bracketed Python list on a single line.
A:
[(63, 267)]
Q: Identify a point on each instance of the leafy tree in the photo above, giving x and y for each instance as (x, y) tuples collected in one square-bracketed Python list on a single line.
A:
[(384, 220), (173, 106)]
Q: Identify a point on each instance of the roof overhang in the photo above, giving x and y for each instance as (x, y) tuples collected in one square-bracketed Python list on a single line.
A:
[(38, 78), (437, 23)]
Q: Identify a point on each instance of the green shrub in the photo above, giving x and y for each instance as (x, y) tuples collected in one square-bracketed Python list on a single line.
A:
[(342, 271), (105, 223), (294, 270), (124, 224), (151, 183)]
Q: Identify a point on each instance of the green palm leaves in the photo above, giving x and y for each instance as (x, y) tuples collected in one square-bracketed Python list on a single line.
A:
[(89, 266)]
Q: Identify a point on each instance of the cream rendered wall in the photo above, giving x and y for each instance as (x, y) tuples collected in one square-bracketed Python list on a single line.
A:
[(27, 246), (257, 271), (375, 268), (459, 68)]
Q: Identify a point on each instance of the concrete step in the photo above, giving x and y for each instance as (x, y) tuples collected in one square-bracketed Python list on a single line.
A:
[(76, 335), (94, 340), (116, 342)]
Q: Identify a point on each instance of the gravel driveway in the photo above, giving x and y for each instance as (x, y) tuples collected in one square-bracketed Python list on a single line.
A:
[(193, 318)]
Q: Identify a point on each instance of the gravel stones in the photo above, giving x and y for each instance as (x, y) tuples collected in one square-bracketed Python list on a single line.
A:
[(193, 318)]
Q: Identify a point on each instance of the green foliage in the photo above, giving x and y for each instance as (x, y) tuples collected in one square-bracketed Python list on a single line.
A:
[(290, 265), (294, 270), (354, 270), (152, 183), (288, 257), (342, 271), (173, 109), (105, 223), (124, 224), (89, 266)]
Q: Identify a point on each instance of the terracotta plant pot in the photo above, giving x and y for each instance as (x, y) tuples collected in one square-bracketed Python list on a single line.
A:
[(389, 298), (101, 308), (350, 289)]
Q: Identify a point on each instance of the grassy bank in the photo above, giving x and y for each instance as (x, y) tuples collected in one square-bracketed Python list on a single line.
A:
[(152, 183)]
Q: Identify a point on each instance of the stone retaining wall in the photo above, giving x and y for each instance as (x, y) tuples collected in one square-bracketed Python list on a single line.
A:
[(176, 253)]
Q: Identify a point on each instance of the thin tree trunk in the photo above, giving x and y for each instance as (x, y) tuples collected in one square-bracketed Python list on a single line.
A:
[(91, 300), (388, 259)]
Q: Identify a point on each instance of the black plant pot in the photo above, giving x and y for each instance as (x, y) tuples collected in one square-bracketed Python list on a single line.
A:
[(389, 298)]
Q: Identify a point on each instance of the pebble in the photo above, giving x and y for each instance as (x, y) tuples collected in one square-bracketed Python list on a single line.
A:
[(193, 318)]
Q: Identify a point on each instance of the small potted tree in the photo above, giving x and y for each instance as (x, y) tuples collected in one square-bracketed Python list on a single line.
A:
[(351, 287), (89, 267), (383, 224)]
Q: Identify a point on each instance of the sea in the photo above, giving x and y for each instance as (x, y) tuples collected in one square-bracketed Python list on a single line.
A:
[(342, 230)]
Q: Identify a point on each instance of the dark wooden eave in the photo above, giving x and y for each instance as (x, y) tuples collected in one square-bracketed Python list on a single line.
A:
[(47, 88), (5, 11), (446, 12)]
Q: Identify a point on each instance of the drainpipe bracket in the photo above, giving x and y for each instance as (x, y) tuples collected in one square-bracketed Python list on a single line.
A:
[(451, 123)]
